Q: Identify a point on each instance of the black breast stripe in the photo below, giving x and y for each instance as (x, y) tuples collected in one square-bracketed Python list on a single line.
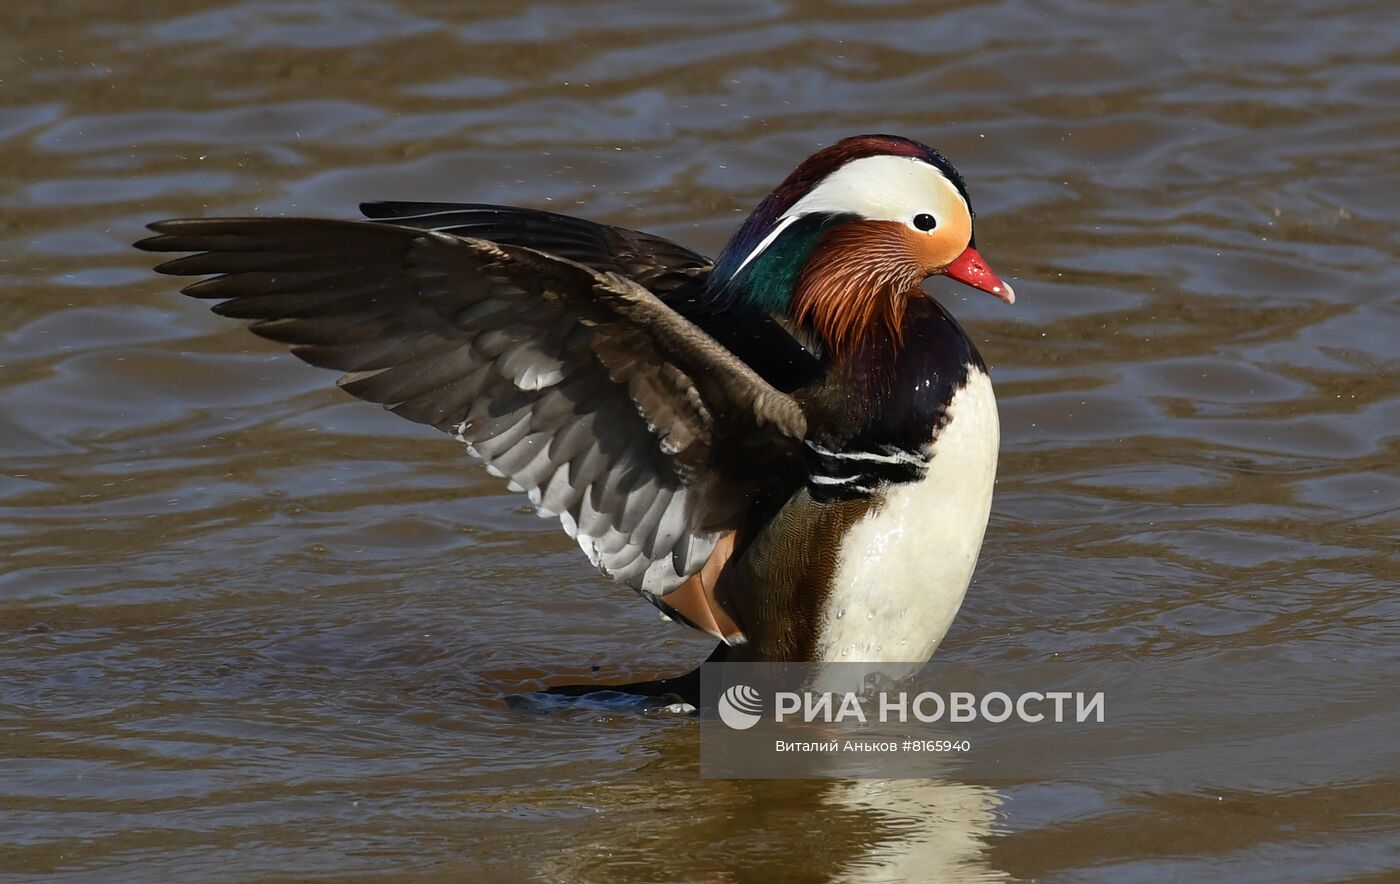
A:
[(901, 415), (842, 475)]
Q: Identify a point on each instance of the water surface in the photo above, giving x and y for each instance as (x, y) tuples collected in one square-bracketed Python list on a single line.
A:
[(251, 627)]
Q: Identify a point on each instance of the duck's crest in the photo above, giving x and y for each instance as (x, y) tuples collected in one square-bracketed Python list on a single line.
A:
[(808, 175)]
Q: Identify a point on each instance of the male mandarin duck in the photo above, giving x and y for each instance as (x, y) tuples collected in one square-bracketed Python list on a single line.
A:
[(791, 448)]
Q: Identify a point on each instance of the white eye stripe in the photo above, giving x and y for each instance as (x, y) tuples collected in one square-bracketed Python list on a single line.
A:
[(881, 188)]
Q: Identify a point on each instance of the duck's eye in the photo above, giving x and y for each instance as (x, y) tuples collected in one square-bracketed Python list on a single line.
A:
[(925, 221)]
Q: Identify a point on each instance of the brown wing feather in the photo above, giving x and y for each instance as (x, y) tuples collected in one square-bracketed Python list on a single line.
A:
[(659, 265), (610, 410)]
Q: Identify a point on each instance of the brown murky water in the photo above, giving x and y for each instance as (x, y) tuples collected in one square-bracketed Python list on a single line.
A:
[(250, 627)]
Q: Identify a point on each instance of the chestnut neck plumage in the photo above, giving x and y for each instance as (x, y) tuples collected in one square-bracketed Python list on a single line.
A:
[(838, 279), (855, 287)]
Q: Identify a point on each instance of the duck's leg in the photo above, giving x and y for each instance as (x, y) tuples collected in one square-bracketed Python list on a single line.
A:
[(684, 687)]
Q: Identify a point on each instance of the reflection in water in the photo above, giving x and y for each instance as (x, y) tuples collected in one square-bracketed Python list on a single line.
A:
[(933, 830), (251, 627), (667, 823)]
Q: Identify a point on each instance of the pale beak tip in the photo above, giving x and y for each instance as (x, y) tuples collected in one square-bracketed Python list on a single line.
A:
[(1005, 292)]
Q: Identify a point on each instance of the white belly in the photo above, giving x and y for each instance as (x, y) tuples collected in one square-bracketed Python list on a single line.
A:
[(903, 570)]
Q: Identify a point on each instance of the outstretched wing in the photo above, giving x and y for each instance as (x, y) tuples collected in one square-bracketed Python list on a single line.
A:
[(610, 410), (667, 269), (659, 265)]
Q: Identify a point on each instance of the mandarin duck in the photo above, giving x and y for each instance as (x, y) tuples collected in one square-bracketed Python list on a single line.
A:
[(791, 448)]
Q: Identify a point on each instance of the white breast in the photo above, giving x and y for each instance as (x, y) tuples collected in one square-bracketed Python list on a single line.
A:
[(902, 571)]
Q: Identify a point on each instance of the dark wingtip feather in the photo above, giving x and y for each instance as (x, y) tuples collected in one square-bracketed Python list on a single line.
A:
[(177, 226), (149, 244), (186, 234), (170, 268), (164, 225), (164, 231), (390, 209)]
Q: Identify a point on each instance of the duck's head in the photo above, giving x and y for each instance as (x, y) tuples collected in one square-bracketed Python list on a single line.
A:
[(845, 241)]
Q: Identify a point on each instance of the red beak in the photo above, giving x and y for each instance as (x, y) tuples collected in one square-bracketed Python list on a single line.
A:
[(969, 269)]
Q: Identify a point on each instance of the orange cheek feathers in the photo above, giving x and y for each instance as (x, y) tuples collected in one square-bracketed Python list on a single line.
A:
[(941, 246), (857, 281)]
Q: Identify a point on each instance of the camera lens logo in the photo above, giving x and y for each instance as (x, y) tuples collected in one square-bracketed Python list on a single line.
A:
[(740, 707)]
